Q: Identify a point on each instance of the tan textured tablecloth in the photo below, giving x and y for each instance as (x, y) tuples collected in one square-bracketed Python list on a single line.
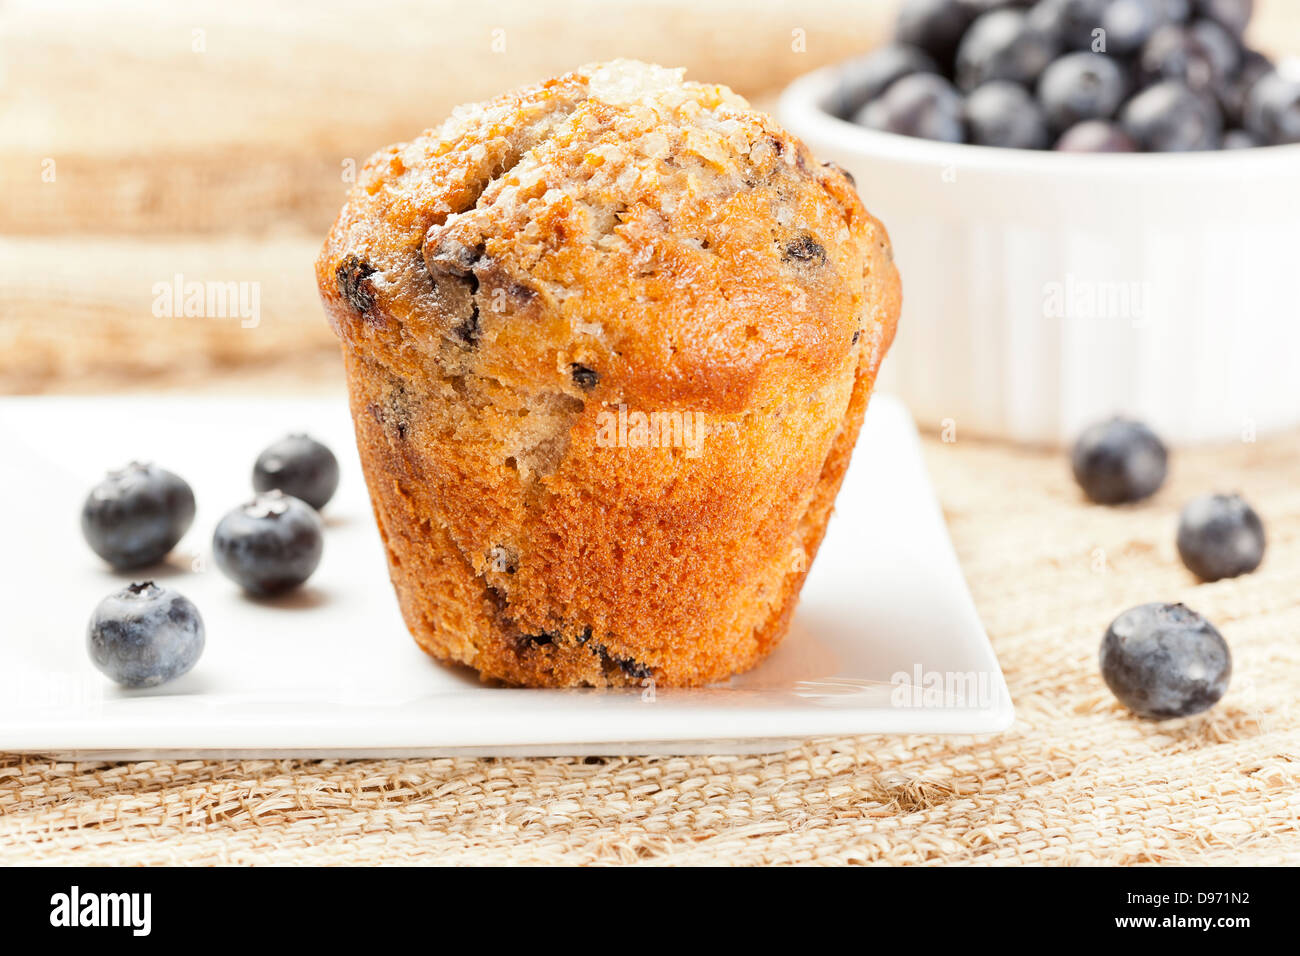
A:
[(1077, 780), (151, 185)]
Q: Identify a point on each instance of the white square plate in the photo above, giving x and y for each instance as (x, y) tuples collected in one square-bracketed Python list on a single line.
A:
[(885, 639)]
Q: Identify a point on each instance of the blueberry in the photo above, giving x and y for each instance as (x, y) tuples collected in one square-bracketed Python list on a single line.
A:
[(1118, 461), (299, 466), (1232, 15), (1221, 49), (1005, 114), (588, 378), (1095, 136), (802, 248), (863, 79), (1130, 23), (1273, 109), (1220, 536), (1165, 660), (136, 515), (934, 26), (837, 168), (923, 104), (144, 635), (269, 545), (1003, 45), (627, 665), (1234, 92), (1080, 86), (1168, 117), (1239, 139), (1070, 22), (1201, 55), (353, 277)]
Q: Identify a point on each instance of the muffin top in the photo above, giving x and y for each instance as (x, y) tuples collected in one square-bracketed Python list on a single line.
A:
[(617, 232)]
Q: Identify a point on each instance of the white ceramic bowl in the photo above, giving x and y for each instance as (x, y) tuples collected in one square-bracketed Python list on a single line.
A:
[(1043, 291)]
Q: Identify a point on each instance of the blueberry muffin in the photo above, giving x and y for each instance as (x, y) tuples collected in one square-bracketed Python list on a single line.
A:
[(609, 341)]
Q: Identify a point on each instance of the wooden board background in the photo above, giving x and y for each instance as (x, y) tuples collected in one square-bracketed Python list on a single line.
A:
[(141, 139)]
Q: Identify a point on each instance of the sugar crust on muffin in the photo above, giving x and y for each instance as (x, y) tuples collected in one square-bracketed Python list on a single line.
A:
[(613, 245)]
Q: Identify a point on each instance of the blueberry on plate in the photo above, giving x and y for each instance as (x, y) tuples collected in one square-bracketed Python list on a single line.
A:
[(299, 466), (1202, 55), (923, 104), (1005, 114), (144, 635), (1003, 45), (934, 26), (1072, 23), (1080, 86), (1095, 136), (1165, 660), (1170, 118), (1118, 461), (1273, 109), (269, 545), (136, 515), (866, 77), (1232, 15), (1220, 536)]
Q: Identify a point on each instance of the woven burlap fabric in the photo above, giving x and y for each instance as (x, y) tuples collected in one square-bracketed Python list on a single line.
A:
[(1077, 780)]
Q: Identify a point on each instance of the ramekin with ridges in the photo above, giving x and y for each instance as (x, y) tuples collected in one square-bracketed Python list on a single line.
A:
[(1048, 290)]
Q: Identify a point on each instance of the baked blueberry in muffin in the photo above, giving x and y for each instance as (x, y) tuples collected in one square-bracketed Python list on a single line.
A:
[(609, 340)]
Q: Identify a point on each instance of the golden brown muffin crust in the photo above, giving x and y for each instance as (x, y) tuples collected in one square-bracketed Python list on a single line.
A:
[(612, 239)]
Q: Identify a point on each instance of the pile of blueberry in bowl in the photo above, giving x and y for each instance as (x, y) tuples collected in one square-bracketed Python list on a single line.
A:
[(1127, 188), (1073, 75), (147, 634)]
